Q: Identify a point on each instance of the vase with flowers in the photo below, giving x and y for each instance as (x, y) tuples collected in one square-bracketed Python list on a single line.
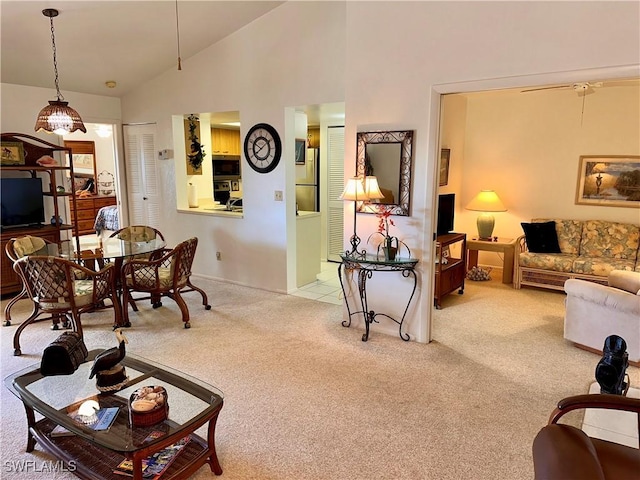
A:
[(390, 245)]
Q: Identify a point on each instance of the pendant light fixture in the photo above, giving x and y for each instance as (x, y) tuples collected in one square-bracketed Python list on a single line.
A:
[(57, 117)]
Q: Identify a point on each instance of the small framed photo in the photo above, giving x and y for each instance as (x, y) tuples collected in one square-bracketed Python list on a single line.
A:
[(235, 186), (609, 181), (301, 145), (445, 155), (12, 153)]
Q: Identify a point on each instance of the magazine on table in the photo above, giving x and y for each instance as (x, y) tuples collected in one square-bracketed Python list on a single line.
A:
[(157, 463)]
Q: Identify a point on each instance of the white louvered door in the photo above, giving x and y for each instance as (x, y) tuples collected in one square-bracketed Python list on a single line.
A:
[(335, 216), (142, 174)]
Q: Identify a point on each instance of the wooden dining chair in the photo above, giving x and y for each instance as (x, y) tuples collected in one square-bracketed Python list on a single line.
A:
[(16, 248), (166, 274), (63, 288)]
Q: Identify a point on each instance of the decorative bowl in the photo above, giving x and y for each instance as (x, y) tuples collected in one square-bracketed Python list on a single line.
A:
[(148, 405)]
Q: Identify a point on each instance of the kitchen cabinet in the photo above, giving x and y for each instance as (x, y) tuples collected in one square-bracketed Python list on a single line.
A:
[(450, 271), (86, 211), (225, 141)]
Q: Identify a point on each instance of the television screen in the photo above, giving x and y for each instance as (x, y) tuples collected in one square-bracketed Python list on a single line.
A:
[(446, 209), (21, 202)]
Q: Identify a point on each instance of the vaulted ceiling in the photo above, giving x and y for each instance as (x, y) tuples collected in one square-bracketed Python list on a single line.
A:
[(129, 42)]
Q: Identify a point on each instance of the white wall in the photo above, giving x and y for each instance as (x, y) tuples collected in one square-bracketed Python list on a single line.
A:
[(398, 54)]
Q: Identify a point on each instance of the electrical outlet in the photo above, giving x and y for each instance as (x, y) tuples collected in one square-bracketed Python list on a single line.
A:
[(218, 256), (278, 196)]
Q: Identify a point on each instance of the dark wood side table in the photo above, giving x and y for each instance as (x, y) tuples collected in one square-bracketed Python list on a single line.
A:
[(497, 244), (366, 266), (450, 271)]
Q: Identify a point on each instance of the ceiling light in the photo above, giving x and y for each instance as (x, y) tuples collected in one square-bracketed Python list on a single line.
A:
[(57, 117), (103, 131), (110, 84)]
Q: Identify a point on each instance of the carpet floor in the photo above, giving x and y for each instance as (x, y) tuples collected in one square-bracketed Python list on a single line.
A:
[(305, 398)]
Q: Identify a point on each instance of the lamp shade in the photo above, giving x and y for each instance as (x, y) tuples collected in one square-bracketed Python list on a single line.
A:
[(372, 189), (58, 117), (354, 190), (486, 201)]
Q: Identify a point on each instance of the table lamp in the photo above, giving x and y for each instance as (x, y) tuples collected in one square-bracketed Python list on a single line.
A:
[(486, 201), (354, 191), (372, 189)]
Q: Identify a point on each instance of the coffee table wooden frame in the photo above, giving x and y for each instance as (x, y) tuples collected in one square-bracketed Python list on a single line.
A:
[(94, 456)]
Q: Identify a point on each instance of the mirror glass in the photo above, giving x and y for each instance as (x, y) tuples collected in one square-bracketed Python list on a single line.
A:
[(387, 156)]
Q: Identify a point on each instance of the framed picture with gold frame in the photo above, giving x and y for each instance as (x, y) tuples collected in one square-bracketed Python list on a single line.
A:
[(608, 181), (445, 155), (12, 153)]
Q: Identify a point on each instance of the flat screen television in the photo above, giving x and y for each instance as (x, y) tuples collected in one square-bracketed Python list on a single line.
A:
[(446, 210), (21, 202)]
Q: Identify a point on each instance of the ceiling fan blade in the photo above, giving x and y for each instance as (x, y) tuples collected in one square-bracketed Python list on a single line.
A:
[(545, 88)]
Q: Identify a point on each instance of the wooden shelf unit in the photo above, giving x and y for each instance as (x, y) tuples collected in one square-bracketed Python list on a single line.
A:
[(35, 148), (449, 276)]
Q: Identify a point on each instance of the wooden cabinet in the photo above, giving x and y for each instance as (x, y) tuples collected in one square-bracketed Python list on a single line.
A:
[(86, 211), (225, 141), (451, 265), (10, 280), (52, 176)]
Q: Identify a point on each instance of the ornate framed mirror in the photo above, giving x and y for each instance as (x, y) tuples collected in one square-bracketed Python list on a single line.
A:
[(386, 156)]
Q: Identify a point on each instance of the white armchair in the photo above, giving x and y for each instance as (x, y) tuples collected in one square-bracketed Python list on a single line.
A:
[(594, 311)]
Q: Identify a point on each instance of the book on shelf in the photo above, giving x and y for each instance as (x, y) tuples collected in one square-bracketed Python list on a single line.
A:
[(105, 418), (157, 463)]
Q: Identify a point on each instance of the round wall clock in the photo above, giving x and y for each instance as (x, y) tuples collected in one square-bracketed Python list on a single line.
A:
[(262, 147)]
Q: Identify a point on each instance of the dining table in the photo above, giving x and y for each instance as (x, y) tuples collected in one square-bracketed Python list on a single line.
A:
[(116, 250)]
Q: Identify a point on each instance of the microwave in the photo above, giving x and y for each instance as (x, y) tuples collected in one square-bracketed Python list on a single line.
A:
[(226, 165)]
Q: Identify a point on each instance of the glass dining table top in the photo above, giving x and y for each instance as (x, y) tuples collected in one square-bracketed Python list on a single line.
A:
[(113, 248)]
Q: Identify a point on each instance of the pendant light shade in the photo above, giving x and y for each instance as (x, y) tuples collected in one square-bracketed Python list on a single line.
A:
[(57, 117)]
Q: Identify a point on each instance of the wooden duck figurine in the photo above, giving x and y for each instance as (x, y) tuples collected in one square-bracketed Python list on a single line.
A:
[(111, 357)]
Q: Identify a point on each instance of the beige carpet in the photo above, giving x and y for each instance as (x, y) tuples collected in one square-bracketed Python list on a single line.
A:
[(305, 398)]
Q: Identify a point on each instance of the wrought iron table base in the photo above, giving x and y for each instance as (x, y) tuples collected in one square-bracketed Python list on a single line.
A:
[(366, 266)]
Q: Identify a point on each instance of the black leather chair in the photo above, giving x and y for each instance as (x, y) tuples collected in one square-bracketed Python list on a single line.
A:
[(564, 452)]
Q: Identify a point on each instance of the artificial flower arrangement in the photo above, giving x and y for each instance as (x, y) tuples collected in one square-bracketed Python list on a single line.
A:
[(390, 245), (196, 157)]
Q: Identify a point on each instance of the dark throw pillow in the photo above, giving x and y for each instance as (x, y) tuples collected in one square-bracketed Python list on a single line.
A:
[(541, 237)]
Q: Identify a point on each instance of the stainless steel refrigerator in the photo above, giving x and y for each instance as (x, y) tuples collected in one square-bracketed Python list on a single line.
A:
[(307, 182)]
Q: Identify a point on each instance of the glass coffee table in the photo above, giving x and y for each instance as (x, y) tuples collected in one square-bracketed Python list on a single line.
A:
[(95, 454)]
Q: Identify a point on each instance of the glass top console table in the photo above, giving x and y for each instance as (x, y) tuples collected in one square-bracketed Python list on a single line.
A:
[(365, 267), (92, 454)]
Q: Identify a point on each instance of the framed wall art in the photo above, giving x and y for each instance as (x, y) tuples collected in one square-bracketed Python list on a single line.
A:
[(300, 150), (609, 181), (445, 155), (12, 153)]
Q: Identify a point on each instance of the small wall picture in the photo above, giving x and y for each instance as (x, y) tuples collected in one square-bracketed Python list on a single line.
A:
[(611, 181), (301, 145), (235, 186), (445, 155), (12, 153)]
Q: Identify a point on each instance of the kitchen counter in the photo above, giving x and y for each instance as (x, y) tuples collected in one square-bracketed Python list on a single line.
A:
[(207, 207)]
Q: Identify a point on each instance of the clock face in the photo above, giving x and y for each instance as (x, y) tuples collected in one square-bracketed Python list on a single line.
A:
[(262, 147)]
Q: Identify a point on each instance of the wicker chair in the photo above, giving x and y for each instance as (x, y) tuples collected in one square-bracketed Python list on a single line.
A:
[(15, 249), (62, 288), (137, 233), (166, 274)]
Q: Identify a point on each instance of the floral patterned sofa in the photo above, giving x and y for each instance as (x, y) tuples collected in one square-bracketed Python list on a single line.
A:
[(589, 250)]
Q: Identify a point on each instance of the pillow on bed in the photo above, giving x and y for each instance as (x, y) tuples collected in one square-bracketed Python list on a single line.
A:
[(541, 237)]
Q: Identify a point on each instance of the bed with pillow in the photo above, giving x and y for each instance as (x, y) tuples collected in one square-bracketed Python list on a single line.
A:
[(553, 250), (107, 219)]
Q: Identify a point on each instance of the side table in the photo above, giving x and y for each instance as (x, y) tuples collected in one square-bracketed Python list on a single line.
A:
[(498, 244), (366, 266)]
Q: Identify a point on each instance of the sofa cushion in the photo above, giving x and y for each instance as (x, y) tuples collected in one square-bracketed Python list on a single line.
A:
[(569, 234), (600, 266), (557, 262), (541, 237), (610, 239)]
